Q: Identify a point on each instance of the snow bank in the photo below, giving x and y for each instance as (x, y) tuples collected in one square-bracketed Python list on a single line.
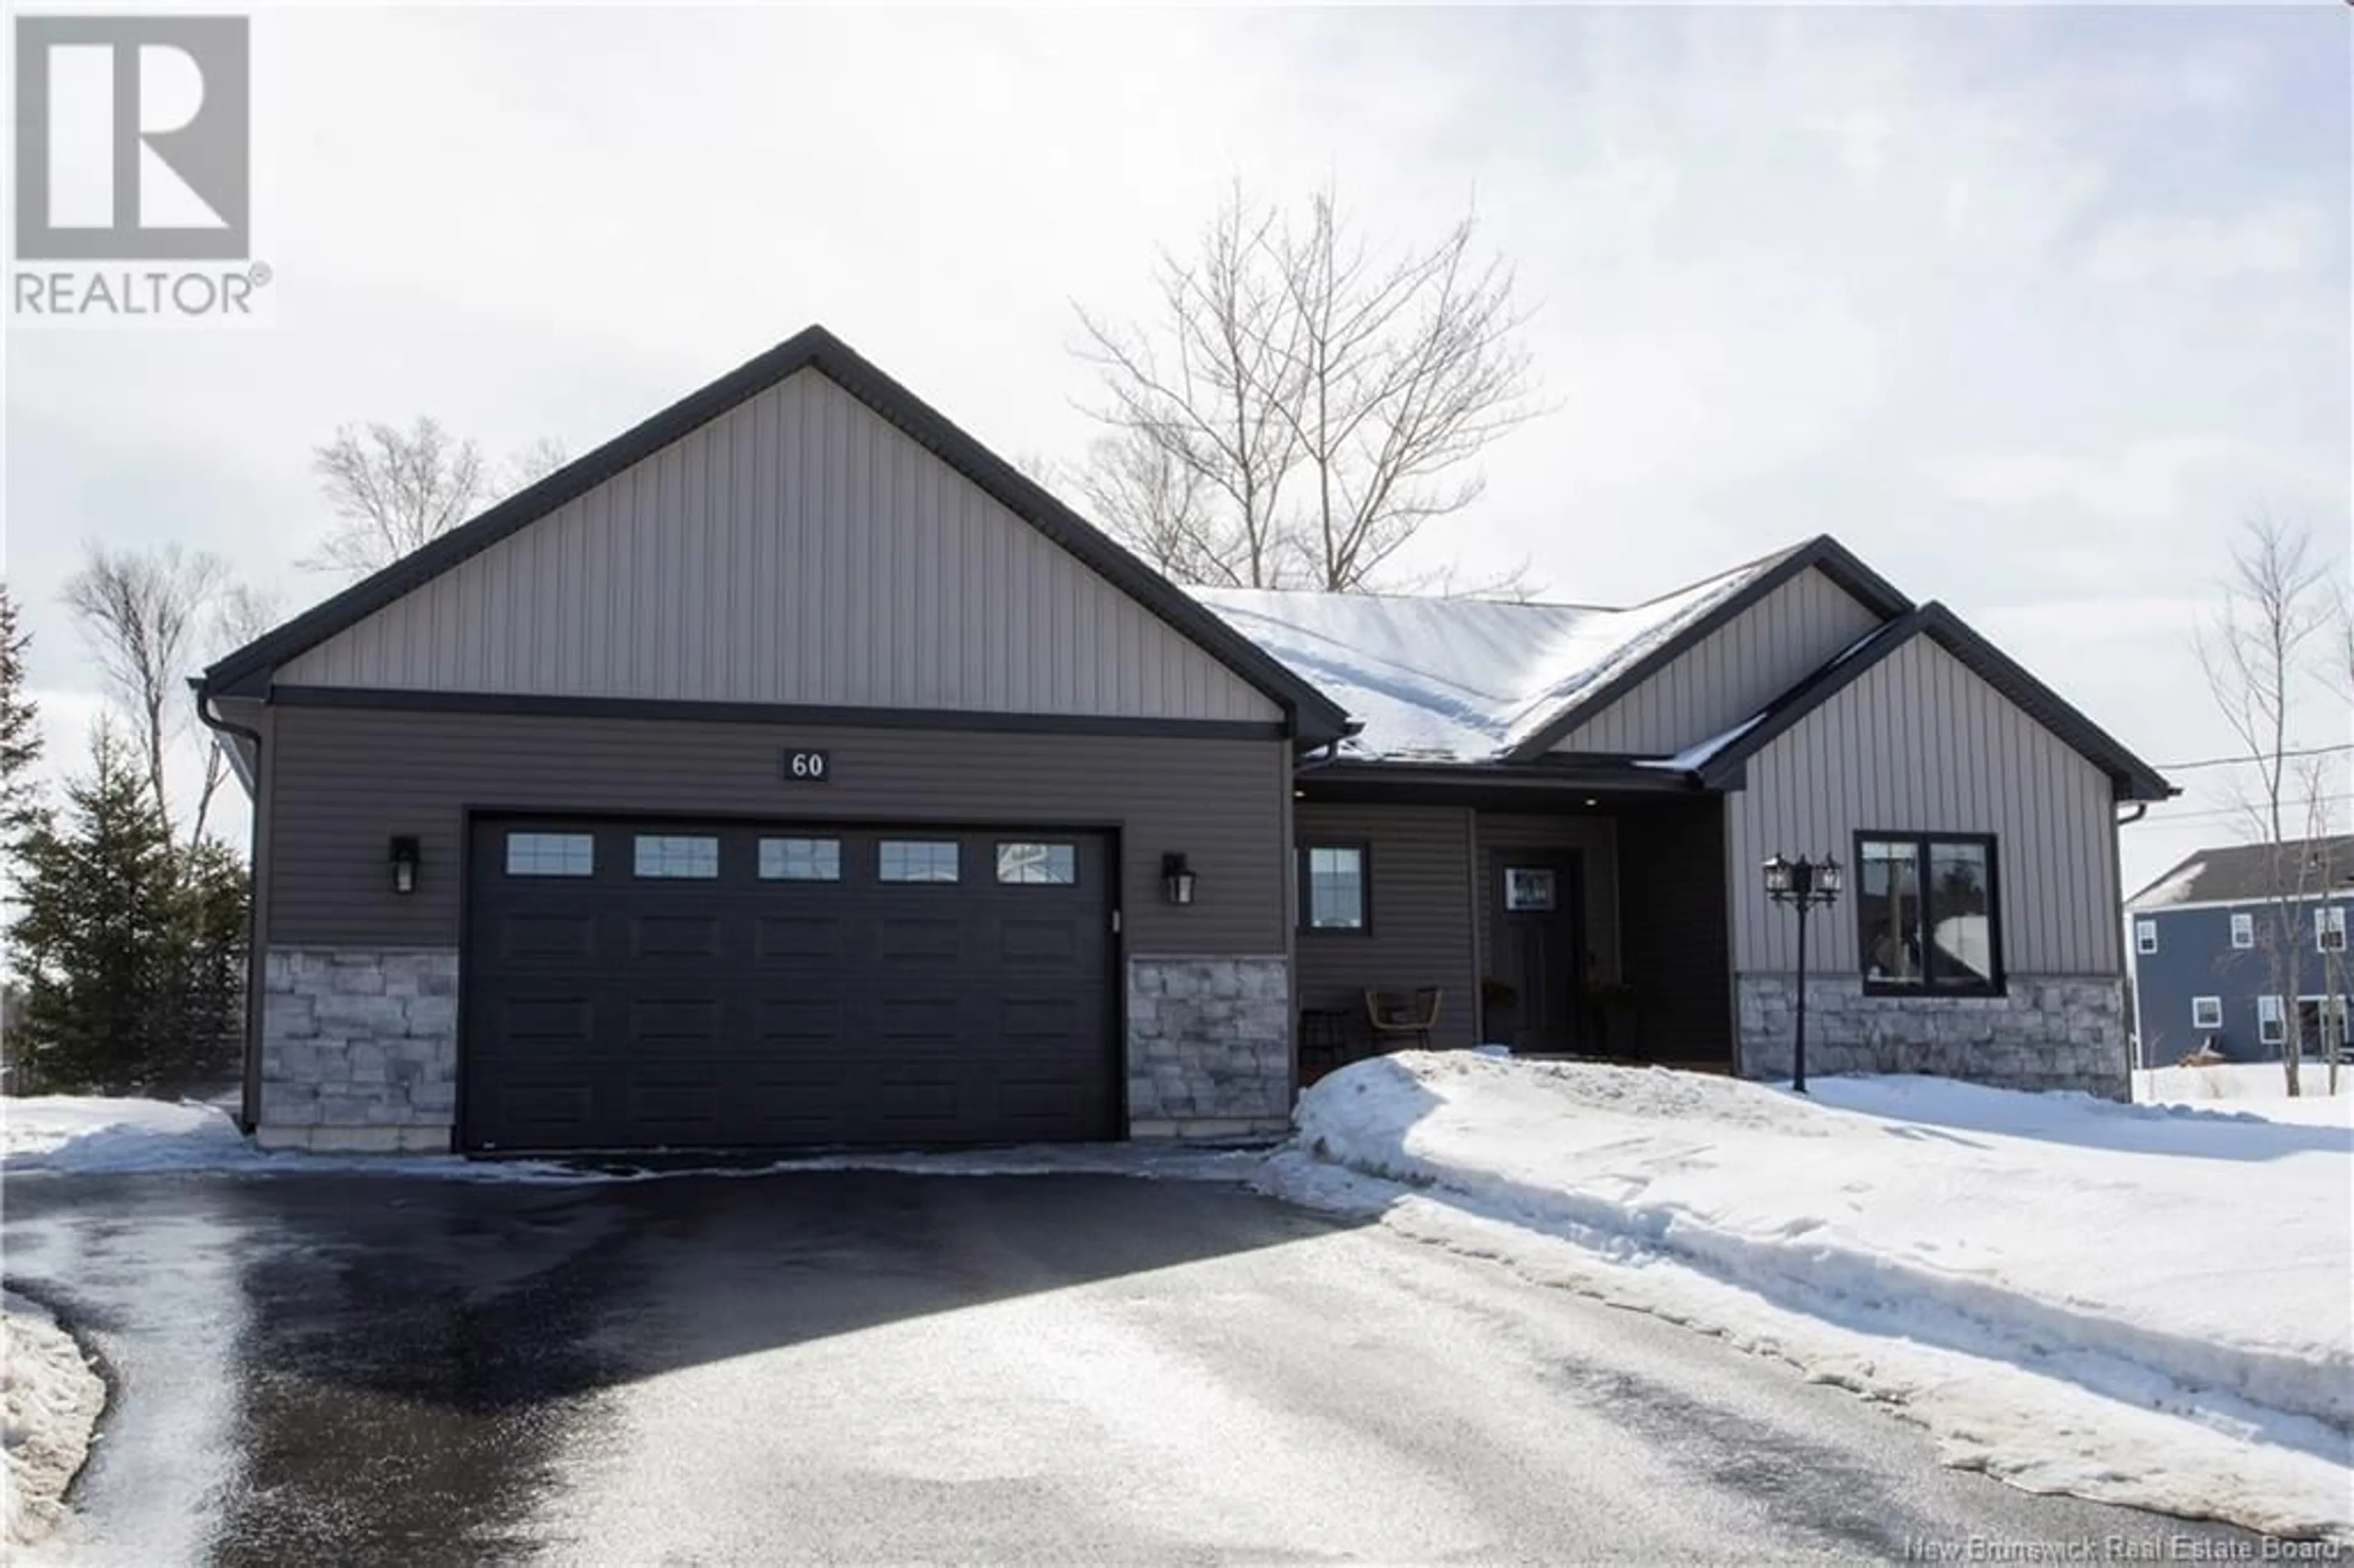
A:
[(49, 1400), (2256, 1088), (2071, 1294)]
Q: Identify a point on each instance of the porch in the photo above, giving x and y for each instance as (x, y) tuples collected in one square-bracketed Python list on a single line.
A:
[(1558, 912)]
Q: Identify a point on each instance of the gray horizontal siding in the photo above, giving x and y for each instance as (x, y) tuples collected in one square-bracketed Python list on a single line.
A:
[(1595, 836), (1733, 673), (797, 550), (1919, 744), (1421, 905), (342, 782)]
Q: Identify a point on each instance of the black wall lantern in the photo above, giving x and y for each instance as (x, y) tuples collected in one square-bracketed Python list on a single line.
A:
[(1802, 884), (405, 858), (1176, 879)]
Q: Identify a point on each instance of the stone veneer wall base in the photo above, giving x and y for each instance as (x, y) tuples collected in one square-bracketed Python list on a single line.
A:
[(2046, 1032), (1209, 1046), (359, 1049)]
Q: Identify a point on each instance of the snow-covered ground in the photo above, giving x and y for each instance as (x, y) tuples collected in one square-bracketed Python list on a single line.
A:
[(88, 1135), (2134, 1304), (49, 1400), (2257, 1089)]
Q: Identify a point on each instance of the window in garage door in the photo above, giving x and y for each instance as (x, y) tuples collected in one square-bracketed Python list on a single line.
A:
[(800, 860), (1038, 864), (916, 860), (677, 854), (551, 854)]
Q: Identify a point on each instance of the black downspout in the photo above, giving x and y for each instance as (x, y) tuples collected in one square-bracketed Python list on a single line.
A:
[(248, 1110)]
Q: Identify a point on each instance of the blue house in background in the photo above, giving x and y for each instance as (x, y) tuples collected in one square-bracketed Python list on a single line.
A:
[(2201, 941)]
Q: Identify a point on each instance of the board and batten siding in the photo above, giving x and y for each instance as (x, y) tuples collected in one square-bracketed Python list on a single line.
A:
[(1733, 673), (1422, 927), (797, 550), (1919, 744), (343, 781)]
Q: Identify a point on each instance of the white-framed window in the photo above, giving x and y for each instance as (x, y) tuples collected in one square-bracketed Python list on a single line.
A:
[(2244, 932), (2271, 1021), (1035, 864), (2329, 928), (2206, 1013), (800, 860), (689, 855), (916, 860), (2145, 936), (551, 854)]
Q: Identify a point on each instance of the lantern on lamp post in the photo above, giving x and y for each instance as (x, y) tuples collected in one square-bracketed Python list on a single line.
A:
[(1802, 884)]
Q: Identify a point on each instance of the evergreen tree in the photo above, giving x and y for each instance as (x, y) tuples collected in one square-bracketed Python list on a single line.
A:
[(20, 733), (99, 934)]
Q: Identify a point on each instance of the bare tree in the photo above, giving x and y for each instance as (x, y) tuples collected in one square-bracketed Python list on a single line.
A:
[(1301, 408), (239, 615), (147, 619), (396, 490), (2258, 653)]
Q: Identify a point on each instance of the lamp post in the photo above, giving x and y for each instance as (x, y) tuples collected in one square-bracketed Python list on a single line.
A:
[(1802, 884)]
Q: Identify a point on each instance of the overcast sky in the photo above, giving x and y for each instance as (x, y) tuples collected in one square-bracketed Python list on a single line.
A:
[(2029, 306)]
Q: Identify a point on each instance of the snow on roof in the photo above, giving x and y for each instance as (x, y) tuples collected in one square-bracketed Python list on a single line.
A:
[(1456, 680)]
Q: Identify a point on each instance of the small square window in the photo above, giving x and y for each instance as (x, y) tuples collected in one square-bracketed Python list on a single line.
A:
[(1038, 864), (2145, 936), (1332, 888), (800, 860), (2271, 1021), (2244, 932), (2329, 929), (677, 855), (2206, 1013), (1529, 888), (916, 860), (551, 854)]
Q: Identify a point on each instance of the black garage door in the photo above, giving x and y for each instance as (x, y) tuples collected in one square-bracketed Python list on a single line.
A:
[(694, 985)]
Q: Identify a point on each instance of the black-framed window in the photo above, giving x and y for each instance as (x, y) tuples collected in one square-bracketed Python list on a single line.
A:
[(1335, 888), (1928, 914)]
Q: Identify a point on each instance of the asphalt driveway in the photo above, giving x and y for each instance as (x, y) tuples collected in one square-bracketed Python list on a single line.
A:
[(849, 1366)]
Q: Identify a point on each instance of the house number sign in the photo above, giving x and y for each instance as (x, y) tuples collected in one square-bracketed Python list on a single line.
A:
[(808, 766)]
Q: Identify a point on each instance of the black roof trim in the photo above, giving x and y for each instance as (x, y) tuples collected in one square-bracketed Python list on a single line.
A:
[(665, 710), (1822, 553), (1314, 716), (1594, 773), (2129, 776)]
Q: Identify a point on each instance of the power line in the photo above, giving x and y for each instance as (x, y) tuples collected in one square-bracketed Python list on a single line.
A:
[(2206, 812), (2247, 761)]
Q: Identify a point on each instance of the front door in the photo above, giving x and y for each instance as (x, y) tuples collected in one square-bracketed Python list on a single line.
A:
[(1540, 953)]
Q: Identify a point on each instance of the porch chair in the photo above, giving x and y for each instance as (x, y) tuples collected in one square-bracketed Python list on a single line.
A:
[(1395, 1014)]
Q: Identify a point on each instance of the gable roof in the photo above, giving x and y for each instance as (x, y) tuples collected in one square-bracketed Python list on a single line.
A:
[(1314, 717), (1821, 554), (1458, 680), (1718, 764), (2242, 874)]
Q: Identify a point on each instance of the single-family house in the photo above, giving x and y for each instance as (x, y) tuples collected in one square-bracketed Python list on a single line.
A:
[(791, 771), (2234, 943)]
